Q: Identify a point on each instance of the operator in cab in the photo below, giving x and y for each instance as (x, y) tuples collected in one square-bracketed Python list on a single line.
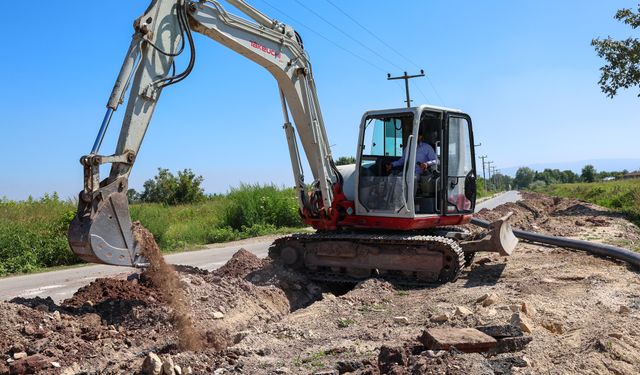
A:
[(425, 156)]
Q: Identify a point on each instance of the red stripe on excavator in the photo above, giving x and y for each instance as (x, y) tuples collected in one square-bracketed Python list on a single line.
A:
[(391, 223), (396, 223)]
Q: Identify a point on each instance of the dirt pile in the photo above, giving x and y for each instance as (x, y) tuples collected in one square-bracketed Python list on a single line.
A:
[(566, 218), (580, 312), (241, 264)]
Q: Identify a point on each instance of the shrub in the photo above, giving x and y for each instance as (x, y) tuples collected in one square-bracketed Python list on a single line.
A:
[(537, 185), (33, 234), (166, 188), (622, 196), (251, 205)]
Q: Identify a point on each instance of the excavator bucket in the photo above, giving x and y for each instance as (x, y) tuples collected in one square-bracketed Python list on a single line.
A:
[(498, 239), (101, 231)]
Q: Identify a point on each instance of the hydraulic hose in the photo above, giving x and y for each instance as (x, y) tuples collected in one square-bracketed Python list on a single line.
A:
[(614, 252)]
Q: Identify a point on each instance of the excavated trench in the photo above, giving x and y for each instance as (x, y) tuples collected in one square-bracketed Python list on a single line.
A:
[(111, 325), (163, 309)]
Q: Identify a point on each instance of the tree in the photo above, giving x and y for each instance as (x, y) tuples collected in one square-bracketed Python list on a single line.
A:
[(568, 177), (549, 176), (344, 160), (168, 189), (537, 184), (524, 177), (588, 173), (622, 68), (133, 196)]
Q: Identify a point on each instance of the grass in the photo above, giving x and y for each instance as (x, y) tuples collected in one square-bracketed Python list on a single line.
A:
[(622, 196), (33, 233), (345, 322)]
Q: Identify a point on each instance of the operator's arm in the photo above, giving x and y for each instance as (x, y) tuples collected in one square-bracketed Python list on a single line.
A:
[(399, 162), (426, 156), (431, 158)]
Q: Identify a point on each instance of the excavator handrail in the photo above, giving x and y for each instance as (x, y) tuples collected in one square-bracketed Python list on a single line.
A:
[(407, 160)]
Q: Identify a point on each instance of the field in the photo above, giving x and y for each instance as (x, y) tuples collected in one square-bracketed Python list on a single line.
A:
[(622, 196), (33, 233)]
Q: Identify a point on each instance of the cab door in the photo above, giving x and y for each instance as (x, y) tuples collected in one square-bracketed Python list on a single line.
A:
[(459, 184), (386, 138)]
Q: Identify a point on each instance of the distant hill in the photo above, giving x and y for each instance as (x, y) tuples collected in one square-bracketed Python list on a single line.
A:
[(576, 166)]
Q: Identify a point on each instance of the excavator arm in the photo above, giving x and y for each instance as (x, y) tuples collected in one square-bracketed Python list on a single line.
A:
[(101, 231)]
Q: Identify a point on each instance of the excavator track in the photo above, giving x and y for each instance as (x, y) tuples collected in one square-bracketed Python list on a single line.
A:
[(403, 259)]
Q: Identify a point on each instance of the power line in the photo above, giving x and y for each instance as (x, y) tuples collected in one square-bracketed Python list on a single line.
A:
[(388, 46), (347, 35), (434, 90), (325, 38), (372, 33), (422, 93)]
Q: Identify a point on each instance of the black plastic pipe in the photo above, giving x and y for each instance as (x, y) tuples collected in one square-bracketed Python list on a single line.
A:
[(591, 247)]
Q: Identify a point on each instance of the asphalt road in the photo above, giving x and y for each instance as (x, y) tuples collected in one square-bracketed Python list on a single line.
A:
[(490, 204), (63, 283), (60, 285)]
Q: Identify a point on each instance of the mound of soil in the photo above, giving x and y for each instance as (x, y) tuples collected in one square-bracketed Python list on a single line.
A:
[(104, 290), (240, 265), (566, 217), (582, 313)]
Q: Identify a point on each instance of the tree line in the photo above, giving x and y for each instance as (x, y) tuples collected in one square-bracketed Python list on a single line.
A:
[(527, 178)]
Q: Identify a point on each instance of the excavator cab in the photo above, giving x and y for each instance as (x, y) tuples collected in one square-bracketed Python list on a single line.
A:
[(394, 146)]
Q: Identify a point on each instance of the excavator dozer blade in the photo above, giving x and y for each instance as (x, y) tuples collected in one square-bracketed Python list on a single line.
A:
[(503, 239), (101, 231), (498, 239)]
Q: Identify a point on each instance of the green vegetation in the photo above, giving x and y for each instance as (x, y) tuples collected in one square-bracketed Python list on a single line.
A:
[(498, 183), (527, 178), (314, 360), (621, 195), (344, 160), (166, 188), (622, 68), (33, 233), (345, 322)]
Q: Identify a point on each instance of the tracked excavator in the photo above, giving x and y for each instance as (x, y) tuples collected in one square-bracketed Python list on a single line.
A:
[(370, 221)]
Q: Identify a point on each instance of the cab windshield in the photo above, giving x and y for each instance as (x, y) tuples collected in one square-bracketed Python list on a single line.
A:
[(383, 143)]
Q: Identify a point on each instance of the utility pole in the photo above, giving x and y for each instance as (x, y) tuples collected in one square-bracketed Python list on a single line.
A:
[(406, 82), (484, 177), (489, 164), (493, 175)]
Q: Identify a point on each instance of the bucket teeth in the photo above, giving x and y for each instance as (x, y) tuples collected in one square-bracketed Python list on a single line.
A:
[(101, 231)]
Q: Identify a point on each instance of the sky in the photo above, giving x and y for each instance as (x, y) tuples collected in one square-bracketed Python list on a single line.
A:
[(523, 70)]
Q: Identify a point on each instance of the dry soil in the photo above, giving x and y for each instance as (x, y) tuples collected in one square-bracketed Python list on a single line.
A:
[(255, 317)]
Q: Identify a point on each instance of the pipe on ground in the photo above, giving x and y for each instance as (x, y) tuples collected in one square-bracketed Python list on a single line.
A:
[(591, 247)]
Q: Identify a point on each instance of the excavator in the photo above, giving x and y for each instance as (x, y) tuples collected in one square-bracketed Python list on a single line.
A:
[(370, 220)]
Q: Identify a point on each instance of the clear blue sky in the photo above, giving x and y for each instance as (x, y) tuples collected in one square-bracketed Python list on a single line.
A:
[(523, 70)]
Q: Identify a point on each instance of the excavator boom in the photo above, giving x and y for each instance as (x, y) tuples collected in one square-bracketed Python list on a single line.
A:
[(369, 222), (101, 230)]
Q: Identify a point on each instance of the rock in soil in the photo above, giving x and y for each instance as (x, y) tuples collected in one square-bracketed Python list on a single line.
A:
[(463, 339), (282, 322)]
